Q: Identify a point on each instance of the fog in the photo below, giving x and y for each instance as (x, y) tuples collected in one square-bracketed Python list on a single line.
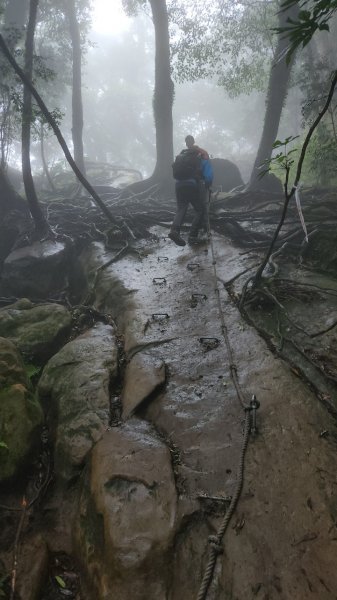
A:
[(118, 90), (220, 65), (118, 83)]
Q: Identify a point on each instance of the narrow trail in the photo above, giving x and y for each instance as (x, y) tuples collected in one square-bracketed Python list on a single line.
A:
[(282, 538)]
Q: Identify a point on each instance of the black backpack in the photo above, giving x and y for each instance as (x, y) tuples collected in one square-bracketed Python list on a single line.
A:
[(187, 165)]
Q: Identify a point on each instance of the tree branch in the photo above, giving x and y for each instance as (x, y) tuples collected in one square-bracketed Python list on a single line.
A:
[(289, 195)]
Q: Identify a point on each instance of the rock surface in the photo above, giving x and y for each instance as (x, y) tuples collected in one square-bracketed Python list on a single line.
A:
[(144, 375), (32, 574), (281, 538), (75, 386), (37, 330), (35, 271), (20, 413), (104, 290), (128, 513)]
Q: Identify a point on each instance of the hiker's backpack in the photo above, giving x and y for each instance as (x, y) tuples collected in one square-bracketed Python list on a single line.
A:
[(187, 165)]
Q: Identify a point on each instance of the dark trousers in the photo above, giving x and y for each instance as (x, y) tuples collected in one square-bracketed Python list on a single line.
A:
[(190, 194)]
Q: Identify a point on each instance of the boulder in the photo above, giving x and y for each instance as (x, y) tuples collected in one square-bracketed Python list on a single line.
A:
[(226, 174), (20, 413), (37, 330), (75, 387), (127, 517), (36, 271)]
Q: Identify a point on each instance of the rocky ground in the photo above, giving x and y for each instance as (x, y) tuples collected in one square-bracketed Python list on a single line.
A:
[(142, 427)]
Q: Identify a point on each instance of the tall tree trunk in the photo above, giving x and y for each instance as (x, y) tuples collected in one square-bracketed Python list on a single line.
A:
[(15, 19), (44, 162), (77, 104), (34, 206), (9, 198), (276, 97), (163, 93), (14, 216)]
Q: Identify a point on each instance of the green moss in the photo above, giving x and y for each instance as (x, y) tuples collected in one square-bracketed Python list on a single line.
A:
[(20, 420)]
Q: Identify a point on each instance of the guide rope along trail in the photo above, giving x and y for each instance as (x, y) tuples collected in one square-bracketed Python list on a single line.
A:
[(215, 541)]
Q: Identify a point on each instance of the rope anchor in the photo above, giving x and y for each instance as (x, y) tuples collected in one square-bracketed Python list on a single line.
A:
[(162, 258), (199, 297), (193, 266), (209, 343), (159, 280), (160, 316), (253, 407)]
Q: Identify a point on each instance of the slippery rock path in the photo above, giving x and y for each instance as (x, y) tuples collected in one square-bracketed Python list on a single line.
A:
[(281, 541)]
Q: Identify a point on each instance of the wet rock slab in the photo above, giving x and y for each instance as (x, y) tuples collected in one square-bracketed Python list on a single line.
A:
[(144, 375), (280, 541)]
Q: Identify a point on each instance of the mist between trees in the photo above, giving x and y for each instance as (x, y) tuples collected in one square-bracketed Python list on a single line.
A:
[(119, 99)]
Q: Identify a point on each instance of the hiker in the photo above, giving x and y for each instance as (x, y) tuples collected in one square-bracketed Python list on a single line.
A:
[(193, 173)]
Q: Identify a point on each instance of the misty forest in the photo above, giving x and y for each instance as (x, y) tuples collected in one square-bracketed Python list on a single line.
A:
[(168, 299)]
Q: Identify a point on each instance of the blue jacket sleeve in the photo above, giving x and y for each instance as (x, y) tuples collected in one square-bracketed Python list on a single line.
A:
[(207, 172)]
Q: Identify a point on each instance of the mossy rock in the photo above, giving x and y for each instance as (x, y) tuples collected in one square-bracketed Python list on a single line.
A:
[(20, 413), (12, 369), (20, 421), (37, 330)]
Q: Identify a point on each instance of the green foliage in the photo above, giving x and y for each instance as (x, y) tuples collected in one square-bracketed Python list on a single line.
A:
[(32, 370), (132, 7), (321, 159), (320, 163), (283, 160), (230, 43), (60, 581), (314, 17), (319, 167), (52, 72)]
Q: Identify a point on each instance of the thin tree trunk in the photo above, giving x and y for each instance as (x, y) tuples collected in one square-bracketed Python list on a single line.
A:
[(276, 97), (34, 206), (44, 162), (77, 104), (5, 128), (27, 83), (163, 93)]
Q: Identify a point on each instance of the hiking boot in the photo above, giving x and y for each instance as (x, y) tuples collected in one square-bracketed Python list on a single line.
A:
[(175, 237)]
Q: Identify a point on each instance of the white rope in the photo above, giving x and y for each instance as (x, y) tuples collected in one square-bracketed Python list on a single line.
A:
[(299, 208)]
